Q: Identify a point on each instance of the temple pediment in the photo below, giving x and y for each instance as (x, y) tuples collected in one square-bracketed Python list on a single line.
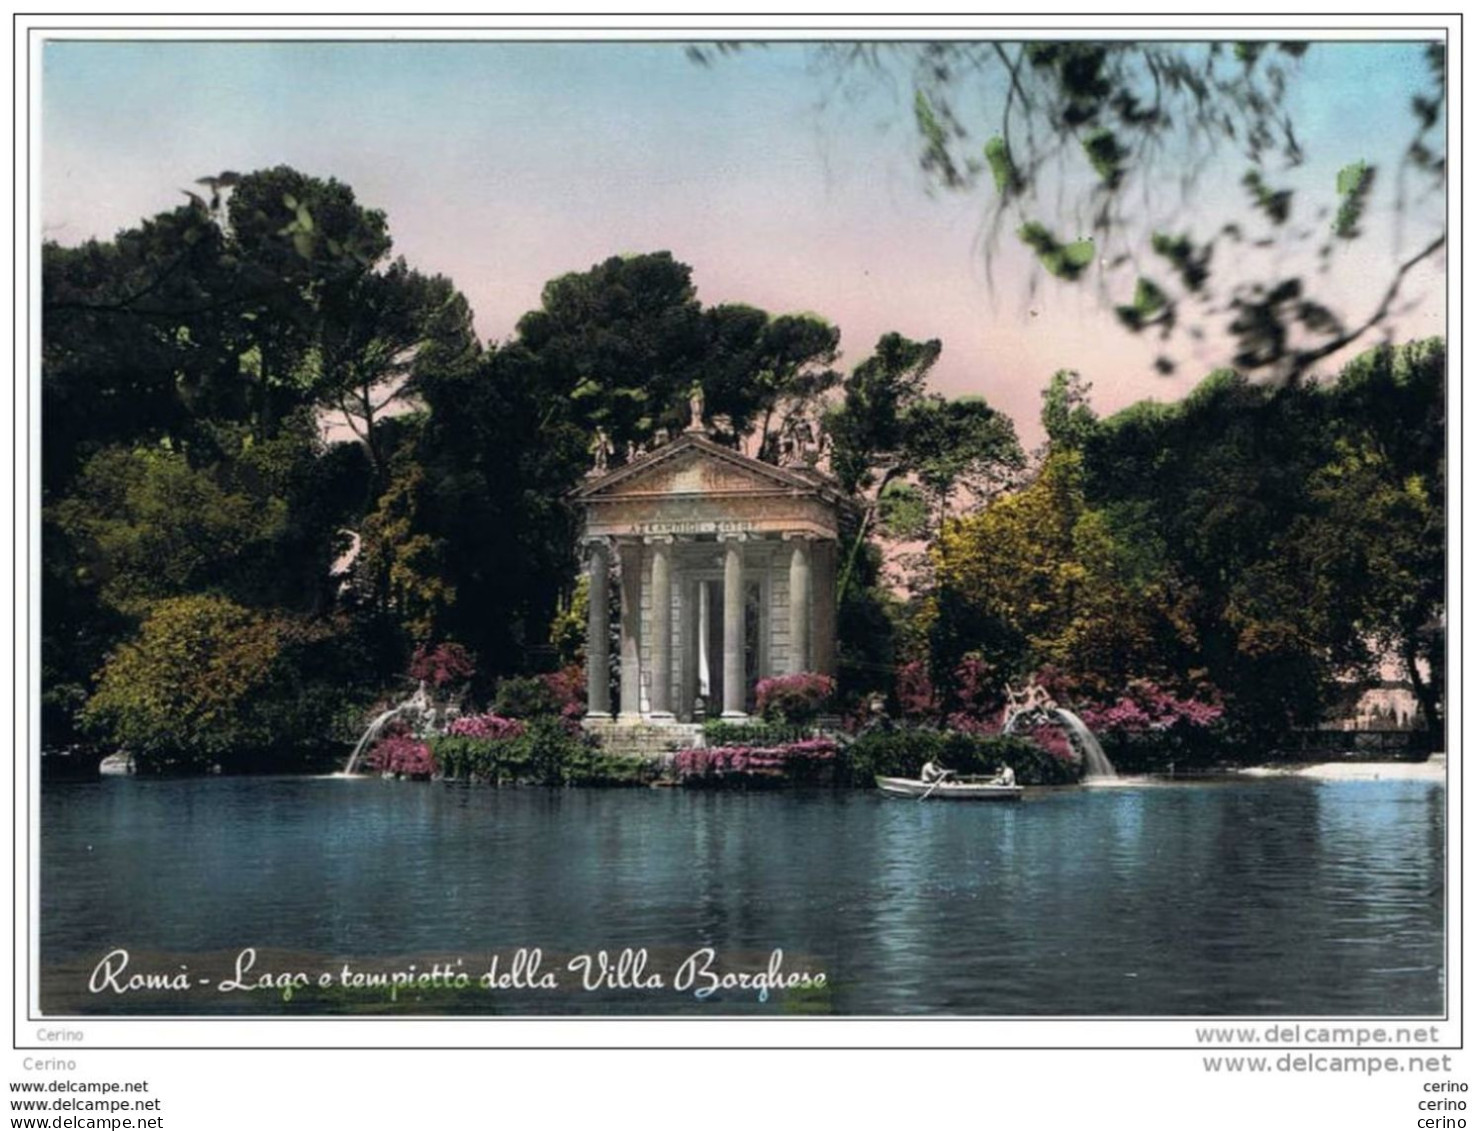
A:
[(694, 487), (694, 465)]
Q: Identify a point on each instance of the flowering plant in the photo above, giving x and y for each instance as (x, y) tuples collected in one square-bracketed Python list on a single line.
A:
[(567, 686), (485, 726), (916, 696), (976, 693), (442, 665), (1148, 707), (402, 754), (1052, 739), (794, 698), (715, 761)]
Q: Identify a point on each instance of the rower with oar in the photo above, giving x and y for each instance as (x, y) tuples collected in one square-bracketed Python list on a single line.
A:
[(933, 775)]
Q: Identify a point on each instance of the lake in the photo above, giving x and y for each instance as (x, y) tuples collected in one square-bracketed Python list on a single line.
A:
[(1279, 897)]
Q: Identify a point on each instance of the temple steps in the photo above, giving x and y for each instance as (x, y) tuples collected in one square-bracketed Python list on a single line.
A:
[(644, 738)]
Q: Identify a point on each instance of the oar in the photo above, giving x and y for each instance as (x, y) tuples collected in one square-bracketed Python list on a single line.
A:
[(935, 785)]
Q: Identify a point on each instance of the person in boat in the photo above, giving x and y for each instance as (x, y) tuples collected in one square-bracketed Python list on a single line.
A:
[(1006, 776), (932, 772)]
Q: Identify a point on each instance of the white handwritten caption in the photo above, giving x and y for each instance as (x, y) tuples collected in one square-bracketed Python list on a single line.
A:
[(700, 974)]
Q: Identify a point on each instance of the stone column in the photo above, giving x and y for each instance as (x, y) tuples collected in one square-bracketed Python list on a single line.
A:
[(597, 638), (704, 633), (630, 630), (688, 678), (799, 602), (823, 599), (660, 626), (735, 690)]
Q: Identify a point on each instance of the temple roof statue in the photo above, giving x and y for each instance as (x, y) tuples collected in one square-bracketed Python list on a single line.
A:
[(695, 408)]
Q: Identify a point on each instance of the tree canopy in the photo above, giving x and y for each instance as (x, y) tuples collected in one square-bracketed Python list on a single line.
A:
[(277, 464), (1271, 541), (621, 346)]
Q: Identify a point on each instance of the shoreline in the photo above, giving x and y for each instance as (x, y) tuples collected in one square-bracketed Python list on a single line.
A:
[(1433, 769)]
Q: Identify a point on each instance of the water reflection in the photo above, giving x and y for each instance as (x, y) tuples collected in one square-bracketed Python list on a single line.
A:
[(1266, 897)]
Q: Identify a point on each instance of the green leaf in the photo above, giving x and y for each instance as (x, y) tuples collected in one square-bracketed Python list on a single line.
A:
[(1080, 253), (1192, 264), (1148, 297), (1106, 155), (935, 157), (1354, 183), (1350, 177), (1275, 204), (1064, 261), (1148, 301), (1248, 53), (1007, 177)]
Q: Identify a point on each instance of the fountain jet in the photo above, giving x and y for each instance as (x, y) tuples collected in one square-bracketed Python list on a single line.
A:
[(418, 706), (1035, 705)]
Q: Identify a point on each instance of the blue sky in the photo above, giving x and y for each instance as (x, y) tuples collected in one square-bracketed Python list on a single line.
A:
[(503, 165)]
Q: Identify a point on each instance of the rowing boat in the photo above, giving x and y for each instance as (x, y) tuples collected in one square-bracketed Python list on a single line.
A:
[(951, 789)]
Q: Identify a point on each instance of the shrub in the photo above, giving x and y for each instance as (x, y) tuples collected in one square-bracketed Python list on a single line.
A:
[(541, 752), (188, 690), (916, 696), (443, 665), (403, 755), (719, 733), (463, 758), (525, 697), (792, 760), (1049, 735), (796, 699), (1147, 728), (485, 726), (1148, 707), (547, 748), (592, 766), (1147, 752), (567, 688), (976, 695)]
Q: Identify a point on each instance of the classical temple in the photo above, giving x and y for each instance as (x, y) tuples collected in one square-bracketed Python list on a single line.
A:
[(726, 570)]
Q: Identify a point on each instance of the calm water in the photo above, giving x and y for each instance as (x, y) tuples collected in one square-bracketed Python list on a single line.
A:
[(1279, 897)]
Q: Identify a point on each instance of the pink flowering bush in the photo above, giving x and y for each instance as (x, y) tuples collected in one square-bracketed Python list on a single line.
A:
[(788, 759), (795, 698), (977, 696), (1148, 707), (442, 665), (1052, 739), (916, 697), (1057, 684), (568, 689), (1149, 729), (486, 726), (402, 754)]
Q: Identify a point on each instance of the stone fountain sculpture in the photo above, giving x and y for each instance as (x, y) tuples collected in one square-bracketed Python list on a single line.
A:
[(1034, 706), (419, 709)]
